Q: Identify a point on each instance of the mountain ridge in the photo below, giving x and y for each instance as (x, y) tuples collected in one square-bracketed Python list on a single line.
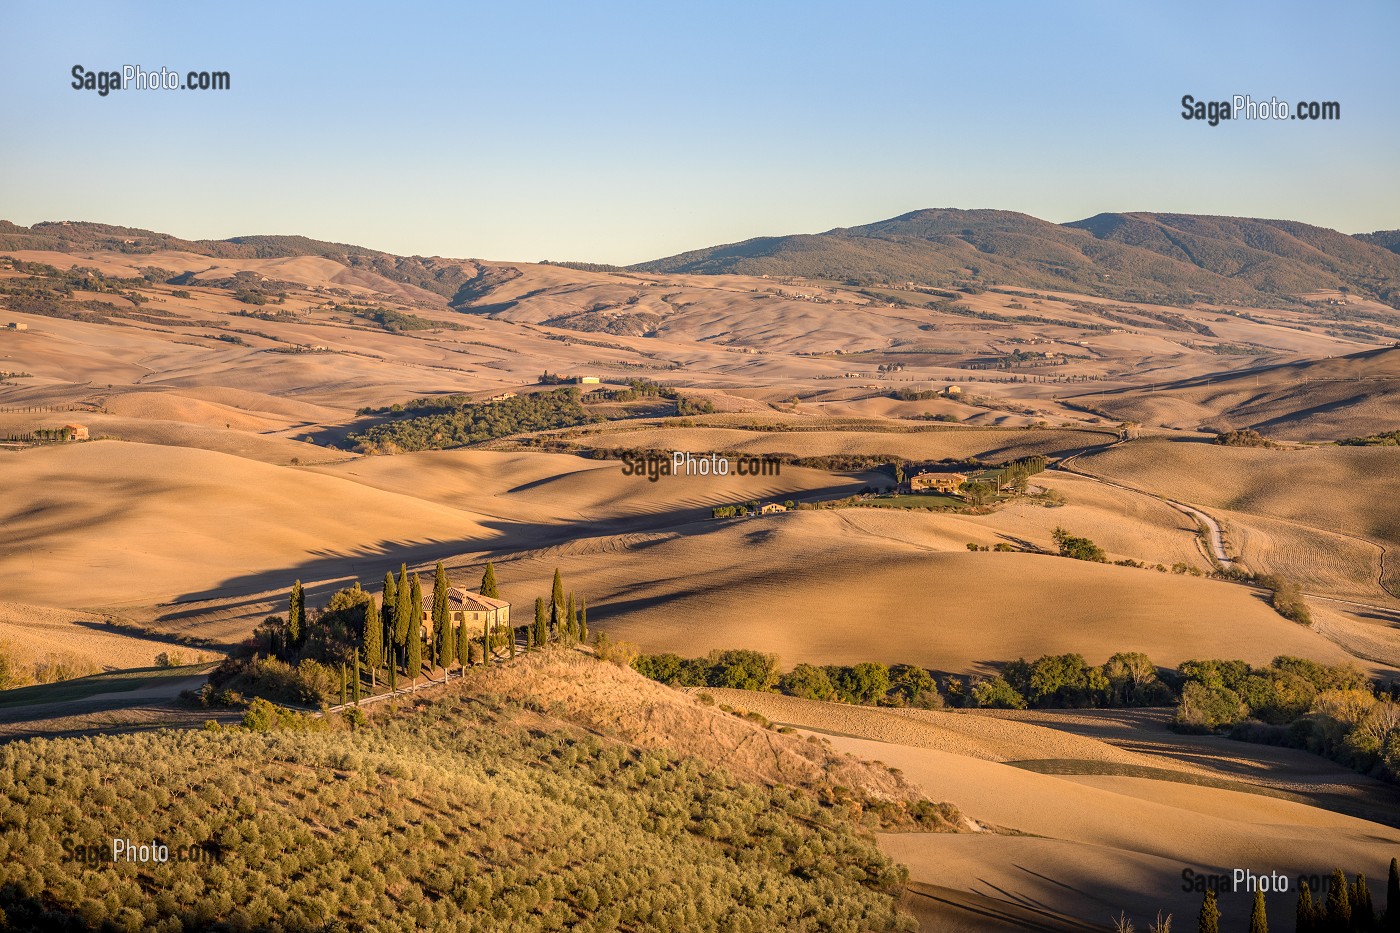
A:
[(1157, 257), (1171, 258)]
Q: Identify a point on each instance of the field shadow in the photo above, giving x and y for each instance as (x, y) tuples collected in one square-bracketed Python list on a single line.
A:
[(368, 563)]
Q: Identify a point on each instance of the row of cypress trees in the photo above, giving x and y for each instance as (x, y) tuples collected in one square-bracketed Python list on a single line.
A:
[(388, 636), (1347, 908)]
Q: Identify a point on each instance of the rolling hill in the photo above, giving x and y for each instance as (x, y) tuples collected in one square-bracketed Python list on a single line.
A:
[(1169, 258), (1311, 400)]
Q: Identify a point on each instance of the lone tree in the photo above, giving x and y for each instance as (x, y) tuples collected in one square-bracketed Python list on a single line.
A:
[(442, 619), (556, 610), (372, 637), (296, 616), (488, 583), (1209, 919)]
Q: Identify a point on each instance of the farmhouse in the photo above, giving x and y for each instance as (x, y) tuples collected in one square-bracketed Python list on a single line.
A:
[(937, 482), (17, 325), (473, 609), (772, 508), (588, 380), (76, 432)]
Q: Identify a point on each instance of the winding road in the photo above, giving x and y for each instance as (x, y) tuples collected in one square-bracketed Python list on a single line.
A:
[(1215, 535)]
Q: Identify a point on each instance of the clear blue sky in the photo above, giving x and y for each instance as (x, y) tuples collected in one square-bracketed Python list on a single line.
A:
[(617, 132)]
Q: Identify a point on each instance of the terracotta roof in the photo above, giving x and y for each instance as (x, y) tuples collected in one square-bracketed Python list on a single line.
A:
[(460, 599)]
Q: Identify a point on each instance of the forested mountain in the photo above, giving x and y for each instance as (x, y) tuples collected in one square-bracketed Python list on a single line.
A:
[(1160, 257)]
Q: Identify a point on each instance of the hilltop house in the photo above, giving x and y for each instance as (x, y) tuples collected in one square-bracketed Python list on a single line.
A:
[(772, 508), (937, 482), (473, 609)]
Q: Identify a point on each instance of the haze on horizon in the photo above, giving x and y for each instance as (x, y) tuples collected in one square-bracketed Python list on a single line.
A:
[(625, 132)]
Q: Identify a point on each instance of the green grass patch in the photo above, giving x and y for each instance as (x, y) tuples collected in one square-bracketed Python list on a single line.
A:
[(934, 501), (111, 682)]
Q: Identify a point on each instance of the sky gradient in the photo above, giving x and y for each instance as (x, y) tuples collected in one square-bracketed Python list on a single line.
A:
[(619, 132)]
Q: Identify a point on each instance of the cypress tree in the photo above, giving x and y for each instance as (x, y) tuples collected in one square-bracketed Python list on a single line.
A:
[(388, 604), (415, 611), (510, 636), (570, 620), (1363, 912), (403, 609), (1304, 914), (372, 635), (393, 674), (357, 676), (1259, 916), (541, 623), (415, 656), (296, 616), (583, 620), (486, 640), (344, 683), (488, 583), (557, 609), (464, 646), (1338, 903), (1392, 898), (442, 619), (1209, 919), (529, 638)]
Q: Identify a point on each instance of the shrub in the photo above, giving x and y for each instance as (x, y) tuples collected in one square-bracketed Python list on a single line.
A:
[(1207, 708), (744, 670), (807, 681), (863, 683), (1246, 437), (621, 653), (1078, 548), (995, 693)]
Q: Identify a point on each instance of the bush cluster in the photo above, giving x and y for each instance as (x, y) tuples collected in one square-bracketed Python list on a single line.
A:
[(1126, 679)]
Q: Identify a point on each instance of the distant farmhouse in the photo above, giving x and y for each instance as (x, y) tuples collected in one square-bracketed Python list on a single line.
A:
[(16, 325), (772, 508), (937, 482), (464, 606), (76, 432), (587, 380)]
